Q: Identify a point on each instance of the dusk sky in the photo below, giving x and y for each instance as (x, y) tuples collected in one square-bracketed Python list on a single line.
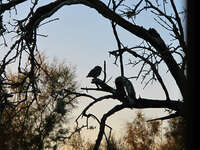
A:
[(82, 38)]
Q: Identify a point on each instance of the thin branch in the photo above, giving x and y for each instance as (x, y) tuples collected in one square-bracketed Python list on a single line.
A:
[(166, 117), (139, 31), (117, 38), (104, 79), (103, 123), (9, 5), (181, 37), (153, 67)]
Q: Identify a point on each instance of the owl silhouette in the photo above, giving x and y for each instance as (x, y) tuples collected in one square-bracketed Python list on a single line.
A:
[(95, 72)]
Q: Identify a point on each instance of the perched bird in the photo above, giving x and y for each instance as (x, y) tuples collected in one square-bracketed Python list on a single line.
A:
[(125, 90), (130, 91), (129, 88), (95, 72), (120, 90)]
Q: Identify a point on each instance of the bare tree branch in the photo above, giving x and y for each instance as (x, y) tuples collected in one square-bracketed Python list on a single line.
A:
[(157, 43), (153, 67), (9, 5), (103, 123), (149, 55)]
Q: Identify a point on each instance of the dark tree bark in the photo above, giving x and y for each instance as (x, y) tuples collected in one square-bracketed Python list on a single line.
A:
[(191, 102)]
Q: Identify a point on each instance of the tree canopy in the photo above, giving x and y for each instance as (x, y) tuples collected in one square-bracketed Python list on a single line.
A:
[(38, 119)]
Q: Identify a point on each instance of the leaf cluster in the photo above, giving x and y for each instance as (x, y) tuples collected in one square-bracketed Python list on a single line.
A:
[(34, 119)]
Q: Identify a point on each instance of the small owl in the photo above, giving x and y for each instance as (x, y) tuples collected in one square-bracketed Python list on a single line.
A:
[(95, 72)]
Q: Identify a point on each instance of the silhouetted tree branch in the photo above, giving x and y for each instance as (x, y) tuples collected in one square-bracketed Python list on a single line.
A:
[(152, 52)]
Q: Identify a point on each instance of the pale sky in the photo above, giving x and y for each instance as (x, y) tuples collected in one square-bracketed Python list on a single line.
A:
[(82, 37)]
